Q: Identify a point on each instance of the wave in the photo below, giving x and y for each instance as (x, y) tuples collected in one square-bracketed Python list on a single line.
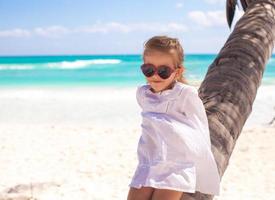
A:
[(16, 67), (60, 65), (82, 63)]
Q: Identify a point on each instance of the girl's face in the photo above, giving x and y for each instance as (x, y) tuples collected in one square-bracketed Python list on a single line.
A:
[(158, 58)]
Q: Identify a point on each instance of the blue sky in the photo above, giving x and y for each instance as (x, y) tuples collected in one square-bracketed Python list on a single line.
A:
[(50, 27)]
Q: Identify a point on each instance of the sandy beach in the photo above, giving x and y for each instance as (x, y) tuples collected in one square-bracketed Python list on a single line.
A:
[(80, 143)]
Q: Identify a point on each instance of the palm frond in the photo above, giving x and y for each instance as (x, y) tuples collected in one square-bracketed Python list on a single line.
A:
[(231, 6), (230, 11), (244, 4)]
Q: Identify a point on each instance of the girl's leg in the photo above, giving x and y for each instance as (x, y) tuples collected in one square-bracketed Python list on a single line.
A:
[(144, 193), (164, 194)]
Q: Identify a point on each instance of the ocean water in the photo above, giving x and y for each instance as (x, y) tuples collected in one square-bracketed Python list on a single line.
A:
[(98, 70)]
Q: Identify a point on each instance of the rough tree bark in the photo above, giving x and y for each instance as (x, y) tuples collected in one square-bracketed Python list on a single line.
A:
[(230, 85)]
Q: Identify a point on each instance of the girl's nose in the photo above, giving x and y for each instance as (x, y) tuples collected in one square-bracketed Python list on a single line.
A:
[(156, 77)]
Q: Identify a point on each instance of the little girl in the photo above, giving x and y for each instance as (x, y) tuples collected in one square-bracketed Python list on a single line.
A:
[(174, 150)]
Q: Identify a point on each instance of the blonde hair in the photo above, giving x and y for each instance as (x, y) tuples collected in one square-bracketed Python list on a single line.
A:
[(169, 46)]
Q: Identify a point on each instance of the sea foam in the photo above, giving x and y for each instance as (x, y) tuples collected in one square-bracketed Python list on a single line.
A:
[(82, 63), (16, 67), (60, 65)]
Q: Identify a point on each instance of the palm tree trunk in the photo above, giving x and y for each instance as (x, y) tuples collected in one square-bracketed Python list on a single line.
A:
[(230, 85)]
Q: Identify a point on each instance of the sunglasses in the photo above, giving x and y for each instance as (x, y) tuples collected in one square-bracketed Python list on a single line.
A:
[(163, 71)]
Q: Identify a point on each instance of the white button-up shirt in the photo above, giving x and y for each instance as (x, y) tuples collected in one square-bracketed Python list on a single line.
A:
[(174, 150)]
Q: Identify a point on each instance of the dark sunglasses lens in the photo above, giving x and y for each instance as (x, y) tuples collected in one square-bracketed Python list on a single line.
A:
[(164, 72), (147, 70)]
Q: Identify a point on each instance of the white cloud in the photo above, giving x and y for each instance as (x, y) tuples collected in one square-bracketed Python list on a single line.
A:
[(159, 27), (215, 1), (111, 27), (179, 5), (177, 27), (103, 28), (52, 31), (15, 33), (208, 19), (135, 27)]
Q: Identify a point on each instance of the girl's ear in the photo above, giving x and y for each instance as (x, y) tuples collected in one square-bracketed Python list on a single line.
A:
[(180, 71), (182, 67)]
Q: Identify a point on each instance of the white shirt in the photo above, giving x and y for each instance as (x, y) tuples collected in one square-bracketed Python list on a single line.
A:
[(174, 150)]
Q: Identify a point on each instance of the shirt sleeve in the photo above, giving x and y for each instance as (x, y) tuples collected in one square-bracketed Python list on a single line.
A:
[(195, 111), (139, 95)]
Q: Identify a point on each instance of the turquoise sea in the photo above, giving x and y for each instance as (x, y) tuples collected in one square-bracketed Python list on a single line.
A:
[(97, 70)]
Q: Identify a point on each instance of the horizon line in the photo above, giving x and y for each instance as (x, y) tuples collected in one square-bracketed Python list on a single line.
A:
[(122, 54)]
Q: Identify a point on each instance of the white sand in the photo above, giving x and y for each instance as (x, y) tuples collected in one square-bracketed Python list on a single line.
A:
[(80, 143)]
